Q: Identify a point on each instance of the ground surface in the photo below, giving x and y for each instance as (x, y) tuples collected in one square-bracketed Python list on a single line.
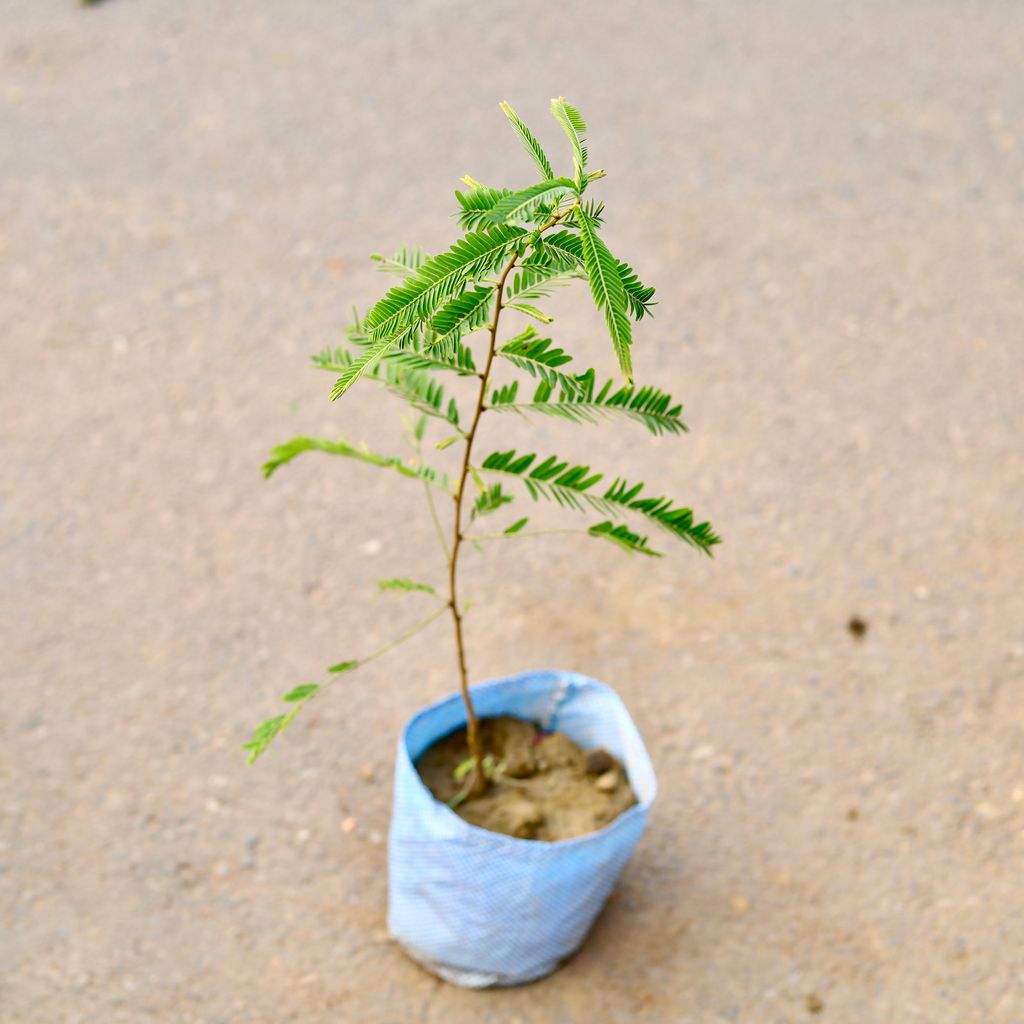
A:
[(829, 198)]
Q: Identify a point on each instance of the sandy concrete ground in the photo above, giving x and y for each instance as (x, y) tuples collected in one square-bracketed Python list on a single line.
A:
[(830, 200)]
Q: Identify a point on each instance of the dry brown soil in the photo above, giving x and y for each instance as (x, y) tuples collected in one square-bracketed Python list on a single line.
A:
[(544, 786)]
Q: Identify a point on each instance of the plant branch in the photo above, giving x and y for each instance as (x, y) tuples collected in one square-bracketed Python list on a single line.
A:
[(407, 635), (437, 522), (526, 533), (301, 695)]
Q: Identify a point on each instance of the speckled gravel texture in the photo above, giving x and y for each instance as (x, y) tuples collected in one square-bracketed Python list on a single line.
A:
[(830, 199)]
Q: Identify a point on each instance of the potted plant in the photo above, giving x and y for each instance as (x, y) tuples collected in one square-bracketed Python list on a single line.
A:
[(517, 802)]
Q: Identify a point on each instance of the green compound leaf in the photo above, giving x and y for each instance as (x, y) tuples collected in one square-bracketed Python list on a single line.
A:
[(624, 538), (301, 693), (575, 129), (440, 278), (265, 733), (533, 147), (464, 314), (284, 453), (649, 406), (490, 500), (344, 666), (406, 261), (540, 359), (477, 204), (609, 293), (573, 487), (403, 583), (522, 205)]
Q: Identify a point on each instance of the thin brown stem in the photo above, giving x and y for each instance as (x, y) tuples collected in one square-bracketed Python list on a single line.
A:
[(472, 724), (479, 781)]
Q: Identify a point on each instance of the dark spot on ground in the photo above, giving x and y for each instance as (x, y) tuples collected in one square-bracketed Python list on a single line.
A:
[(857, 627)]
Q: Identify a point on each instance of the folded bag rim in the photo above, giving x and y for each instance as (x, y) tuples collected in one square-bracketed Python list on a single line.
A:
[(558, 677)]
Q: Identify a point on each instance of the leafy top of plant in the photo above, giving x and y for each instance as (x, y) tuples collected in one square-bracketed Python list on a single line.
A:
[(442, 318)]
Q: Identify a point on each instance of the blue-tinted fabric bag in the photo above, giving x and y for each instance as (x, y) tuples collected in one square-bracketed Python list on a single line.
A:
[(479, 908)]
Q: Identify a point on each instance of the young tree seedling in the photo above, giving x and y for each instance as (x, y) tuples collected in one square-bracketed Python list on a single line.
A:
[(444, 317)]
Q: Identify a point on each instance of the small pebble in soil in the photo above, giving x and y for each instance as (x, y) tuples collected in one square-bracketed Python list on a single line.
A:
[(853, 814), (608, 782), (348, 826), (857, 627), (814, 1004), (598, 762), (367, 773)]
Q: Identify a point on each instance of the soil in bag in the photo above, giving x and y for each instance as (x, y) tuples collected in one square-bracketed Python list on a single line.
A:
[(544, 786)]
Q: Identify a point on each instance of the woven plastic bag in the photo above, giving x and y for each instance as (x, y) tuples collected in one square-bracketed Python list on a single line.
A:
[(479, 908)]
